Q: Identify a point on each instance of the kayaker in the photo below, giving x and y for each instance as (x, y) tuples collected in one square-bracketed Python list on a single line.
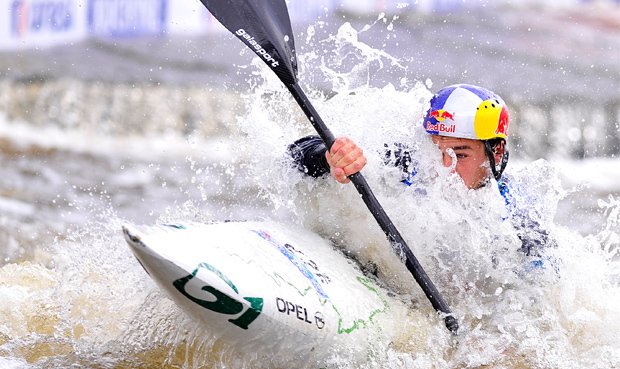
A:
[(467, 123)]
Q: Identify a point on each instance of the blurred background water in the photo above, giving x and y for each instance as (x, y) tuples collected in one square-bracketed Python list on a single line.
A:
[(112, 113)]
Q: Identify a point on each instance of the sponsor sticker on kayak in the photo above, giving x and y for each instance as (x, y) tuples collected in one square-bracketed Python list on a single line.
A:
[(224, 302), (305, 265)]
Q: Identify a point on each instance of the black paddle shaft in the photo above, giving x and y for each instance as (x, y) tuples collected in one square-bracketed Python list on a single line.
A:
[(265, 27), (397, 241)]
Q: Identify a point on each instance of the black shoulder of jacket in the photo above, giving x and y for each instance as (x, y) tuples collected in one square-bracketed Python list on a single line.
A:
[(308, 155)]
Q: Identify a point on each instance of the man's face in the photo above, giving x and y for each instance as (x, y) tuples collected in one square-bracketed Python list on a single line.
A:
[(472, 164)]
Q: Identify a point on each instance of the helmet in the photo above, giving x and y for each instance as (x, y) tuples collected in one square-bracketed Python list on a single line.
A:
[(473, 112), (467, 111)]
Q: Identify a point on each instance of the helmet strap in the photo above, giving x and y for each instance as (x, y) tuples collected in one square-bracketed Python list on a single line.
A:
[(489, 148)]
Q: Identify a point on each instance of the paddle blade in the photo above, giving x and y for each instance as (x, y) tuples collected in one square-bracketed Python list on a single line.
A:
[(265, 27)]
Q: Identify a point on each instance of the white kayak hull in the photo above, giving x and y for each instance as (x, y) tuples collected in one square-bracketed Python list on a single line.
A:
[(267, 287)]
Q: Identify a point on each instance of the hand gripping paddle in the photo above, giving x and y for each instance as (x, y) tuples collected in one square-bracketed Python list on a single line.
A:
[(265, 27)]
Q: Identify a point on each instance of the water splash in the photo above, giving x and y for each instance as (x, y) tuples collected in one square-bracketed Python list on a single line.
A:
[(82, 300), (512, 314)]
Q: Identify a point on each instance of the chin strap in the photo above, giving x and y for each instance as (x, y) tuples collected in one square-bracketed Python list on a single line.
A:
[(489, 149)]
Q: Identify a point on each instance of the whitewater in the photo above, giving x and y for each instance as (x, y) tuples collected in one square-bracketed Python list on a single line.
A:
[(72, 295)]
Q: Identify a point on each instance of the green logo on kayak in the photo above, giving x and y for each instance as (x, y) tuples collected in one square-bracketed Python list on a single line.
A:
[(224, 303)]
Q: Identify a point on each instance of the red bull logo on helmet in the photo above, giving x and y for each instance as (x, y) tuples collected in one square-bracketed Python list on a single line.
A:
[(436, 124), (441, 114), (440, 128)]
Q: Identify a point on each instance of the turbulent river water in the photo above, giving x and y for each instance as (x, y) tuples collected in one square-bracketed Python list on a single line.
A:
[(103, 153)]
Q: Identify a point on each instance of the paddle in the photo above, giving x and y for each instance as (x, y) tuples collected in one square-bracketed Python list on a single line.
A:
[(265, 27)]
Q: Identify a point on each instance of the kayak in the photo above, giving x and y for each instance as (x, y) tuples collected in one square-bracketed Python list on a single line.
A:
[(269, 288)]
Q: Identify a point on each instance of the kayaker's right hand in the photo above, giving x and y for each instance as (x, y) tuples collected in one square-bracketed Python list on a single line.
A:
[(345, 158)]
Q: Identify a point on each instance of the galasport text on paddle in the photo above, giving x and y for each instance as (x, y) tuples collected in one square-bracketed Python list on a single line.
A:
[(265, 27)]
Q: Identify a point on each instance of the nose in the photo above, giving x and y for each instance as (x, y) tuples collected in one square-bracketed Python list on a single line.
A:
[(446, 158)]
